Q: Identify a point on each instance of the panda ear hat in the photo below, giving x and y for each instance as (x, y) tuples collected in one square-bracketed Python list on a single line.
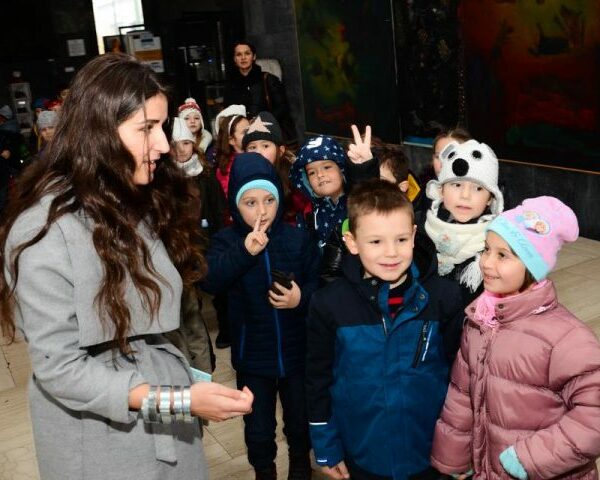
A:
[(469, 161)]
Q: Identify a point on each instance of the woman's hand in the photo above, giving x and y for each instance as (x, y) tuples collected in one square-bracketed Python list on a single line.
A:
[(217, 402), (256, 241), (360, 150), (289, 298), (338, 472)]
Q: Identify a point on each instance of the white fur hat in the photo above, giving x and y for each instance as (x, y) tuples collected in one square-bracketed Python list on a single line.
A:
[(181, 131), (472, 161), (228, 112), (188, 107)]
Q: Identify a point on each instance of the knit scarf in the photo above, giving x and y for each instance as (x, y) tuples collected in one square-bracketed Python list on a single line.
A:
[(455, 243), (192, 167), (485, 310)]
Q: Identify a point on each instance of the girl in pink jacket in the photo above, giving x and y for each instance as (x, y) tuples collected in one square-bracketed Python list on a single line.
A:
[(524, 400)]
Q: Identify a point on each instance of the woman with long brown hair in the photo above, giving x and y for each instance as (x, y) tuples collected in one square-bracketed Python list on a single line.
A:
[(95, 247)]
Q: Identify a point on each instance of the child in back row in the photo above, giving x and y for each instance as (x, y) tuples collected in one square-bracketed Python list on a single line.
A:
[(264, 136), (377, 369), (192, 336), (325, 174), (189, 111), (251, 261), (465, 198), (393, 167), (524, 401)]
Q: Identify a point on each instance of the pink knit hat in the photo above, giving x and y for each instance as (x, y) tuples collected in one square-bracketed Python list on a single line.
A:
[(536, 230)]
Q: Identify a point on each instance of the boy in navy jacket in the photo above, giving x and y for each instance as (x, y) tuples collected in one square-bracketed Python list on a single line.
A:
[(377, 367), (267, 321)]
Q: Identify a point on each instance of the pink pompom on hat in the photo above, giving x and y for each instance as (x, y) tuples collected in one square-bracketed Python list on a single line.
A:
[(536, 231), (188, 107)]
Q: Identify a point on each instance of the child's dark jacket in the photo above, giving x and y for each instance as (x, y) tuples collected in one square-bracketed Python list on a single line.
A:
[(375, 386), (265, 341)]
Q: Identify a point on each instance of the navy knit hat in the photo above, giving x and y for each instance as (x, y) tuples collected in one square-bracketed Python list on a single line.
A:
[(263, 127), (316, 149)]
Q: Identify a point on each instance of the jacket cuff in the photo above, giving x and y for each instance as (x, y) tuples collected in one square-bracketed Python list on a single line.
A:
[(326, 444), (511, 464)]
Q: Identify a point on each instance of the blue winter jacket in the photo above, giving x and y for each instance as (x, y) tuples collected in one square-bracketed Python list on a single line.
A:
[(265, 341), (376, 385)]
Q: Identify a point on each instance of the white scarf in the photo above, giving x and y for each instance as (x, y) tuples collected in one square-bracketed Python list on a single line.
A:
[(456, 243), (192, 167)]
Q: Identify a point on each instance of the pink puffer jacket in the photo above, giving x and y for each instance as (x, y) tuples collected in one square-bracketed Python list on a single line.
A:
[(532, 381)]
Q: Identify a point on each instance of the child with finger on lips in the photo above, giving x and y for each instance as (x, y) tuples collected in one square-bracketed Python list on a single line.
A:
[(269, 270)]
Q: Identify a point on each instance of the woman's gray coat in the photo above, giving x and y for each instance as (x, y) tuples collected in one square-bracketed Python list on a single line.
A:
[(78, 395)]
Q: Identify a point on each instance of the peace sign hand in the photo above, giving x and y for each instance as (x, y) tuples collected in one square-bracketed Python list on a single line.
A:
[(256, 241), (360, 150)]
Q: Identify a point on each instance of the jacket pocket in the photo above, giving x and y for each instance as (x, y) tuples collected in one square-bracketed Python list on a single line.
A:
[(423, 343)]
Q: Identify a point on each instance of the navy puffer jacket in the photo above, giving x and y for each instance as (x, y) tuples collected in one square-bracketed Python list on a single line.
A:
[(265, 341)]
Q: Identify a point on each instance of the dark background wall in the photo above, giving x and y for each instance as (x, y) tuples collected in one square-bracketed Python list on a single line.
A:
[(271, 27), (34, 40)]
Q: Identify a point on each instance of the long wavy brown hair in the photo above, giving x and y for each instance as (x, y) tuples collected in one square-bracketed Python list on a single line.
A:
[(87, 168)]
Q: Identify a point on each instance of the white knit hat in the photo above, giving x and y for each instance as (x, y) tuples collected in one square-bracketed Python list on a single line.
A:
[(471, 161), (188, 107), (230, 111), (181, 131), (47, 118)]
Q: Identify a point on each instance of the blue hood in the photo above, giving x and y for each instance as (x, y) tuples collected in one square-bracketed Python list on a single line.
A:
[(247, 167)]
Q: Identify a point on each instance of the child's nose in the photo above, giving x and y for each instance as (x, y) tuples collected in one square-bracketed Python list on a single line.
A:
[(486, 261), (391, 249), (465, 191)]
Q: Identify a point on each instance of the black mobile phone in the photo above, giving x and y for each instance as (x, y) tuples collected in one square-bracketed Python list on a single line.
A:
[(282, 278)]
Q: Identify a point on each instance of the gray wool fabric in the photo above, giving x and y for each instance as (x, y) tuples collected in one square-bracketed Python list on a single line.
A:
[(78, 395)]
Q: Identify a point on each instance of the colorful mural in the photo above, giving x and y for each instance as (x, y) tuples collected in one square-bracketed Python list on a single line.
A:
[(532, 78), (348, 66)]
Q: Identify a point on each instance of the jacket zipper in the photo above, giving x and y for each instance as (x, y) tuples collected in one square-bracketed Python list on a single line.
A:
[(420, 343), (385, 331), (275, 317)]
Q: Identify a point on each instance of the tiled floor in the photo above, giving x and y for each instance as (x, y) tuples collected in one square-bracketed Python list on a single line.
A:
[(577, 278)]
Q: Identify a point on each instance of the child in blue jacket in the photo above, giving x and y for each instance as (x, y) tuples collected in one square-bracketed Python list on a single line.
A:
[(267, 320), (377, 366)]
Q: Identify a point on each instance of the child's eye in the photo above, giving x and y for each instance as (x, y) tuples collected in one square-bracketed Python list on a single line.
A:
[(479, 188), (250, 203), (326, 167), (270, 200), (501, 255), (374, 242), (402, 240), (251, 148), (310, 173)]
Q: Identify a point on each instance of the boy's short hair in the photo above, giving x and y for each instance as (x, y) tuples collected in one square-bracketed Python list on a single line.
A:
[(379, 196), (395, 160)]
